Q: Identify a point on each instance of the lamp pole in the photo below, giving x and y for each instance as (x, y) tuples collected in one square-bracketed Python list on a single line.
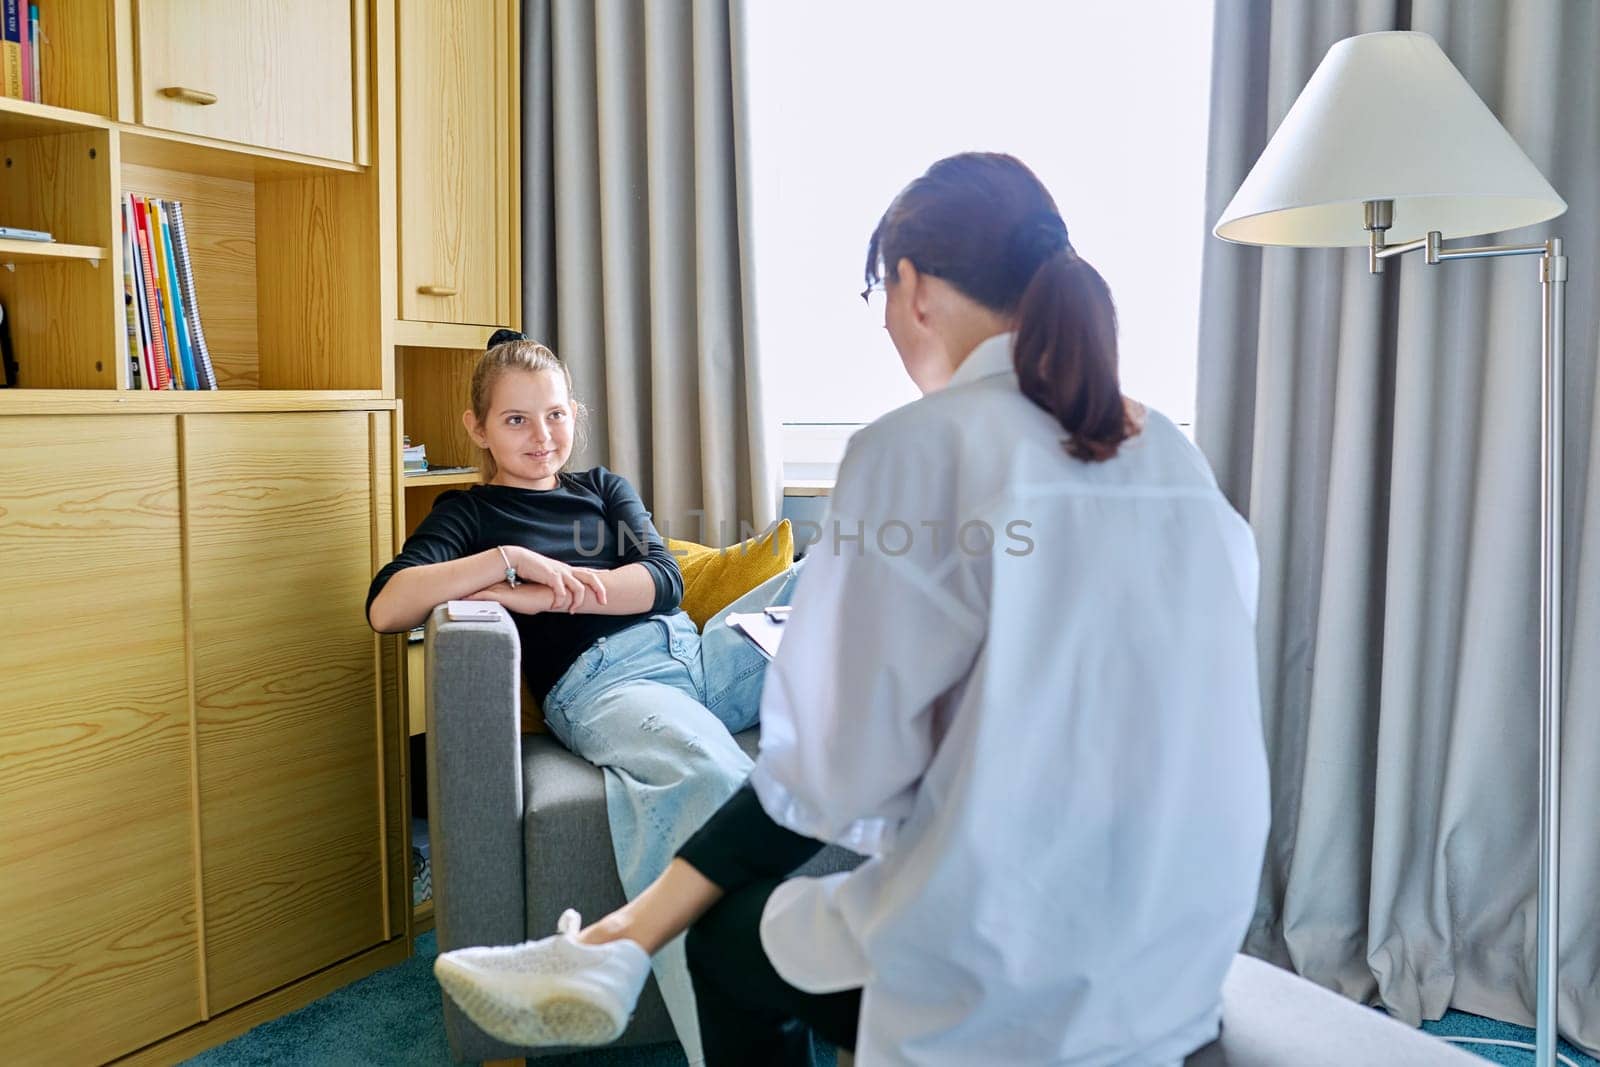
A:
[(1379, 216)]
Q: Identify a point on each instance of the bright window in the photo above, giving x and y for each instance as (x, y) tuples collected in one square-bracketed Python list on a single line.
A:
[(850, 100)]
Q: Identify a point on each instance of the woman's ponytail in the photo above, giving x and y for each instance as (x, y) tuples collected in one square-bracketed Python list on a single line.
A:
[(1066, 354), (983, 222)]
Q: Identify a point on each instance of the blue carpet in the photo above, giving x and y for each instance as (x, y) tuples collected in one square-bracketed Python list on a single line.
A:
[(393, 1018), (388, 1018), (1460, 1024)]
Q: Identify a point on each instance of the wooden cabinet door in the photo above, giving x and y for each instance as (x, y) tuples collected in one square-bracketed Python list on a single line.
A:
[(273, 73), (97, 861), (280, 518), (457, 160)]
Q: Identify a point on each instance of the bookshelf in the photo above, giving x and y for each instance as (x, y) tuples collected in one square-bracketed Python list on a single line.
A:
[(449, 479), (211, 813), (285, 245), (13, 251)]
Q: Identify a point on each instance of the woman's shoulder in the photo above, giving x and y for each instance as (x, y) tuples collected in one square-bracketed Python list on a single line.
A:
[(1170, 453)]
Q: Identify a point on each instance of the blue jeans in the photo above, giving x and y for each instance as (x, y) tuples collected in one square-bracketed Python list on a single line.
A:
[(655, 707)]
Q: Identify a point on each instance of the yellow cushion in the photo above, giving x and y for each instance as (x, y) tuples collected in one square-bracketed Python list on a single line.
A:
[(713, 578)]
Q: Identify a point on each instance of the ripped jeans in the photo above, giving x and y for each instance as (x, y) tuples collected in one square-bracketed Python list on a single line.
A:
[(655, 707)]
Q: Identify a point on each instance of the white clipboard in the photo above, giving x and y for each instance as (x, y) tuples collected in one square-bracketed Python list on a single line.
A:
[(760, 628)]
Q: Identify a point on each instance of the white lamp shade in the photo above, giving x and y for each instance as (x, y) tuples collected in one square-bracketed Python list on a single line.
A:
[(1387, 116)]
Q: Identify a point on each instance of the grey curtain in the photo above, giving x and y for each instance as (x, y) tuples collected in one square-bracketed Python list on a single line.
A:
[(636, 249), (1381, 434)]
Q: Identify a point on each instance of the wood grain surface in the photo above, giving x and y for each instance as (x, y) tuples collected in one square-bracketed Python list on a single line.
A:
[(95, 830), (278, 523)]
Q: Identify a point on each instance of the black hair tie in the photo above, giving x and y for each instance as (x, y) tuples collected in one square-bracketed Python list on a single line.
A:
[(502, 335)]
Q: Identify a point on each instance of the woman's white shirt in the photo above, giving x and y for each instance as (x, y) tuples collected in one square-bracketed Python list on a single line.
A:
[(1026, 687)]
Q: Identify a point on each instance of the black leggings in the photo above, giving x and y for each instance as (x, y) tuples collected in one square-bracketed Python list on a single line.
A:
[(748, 1014)]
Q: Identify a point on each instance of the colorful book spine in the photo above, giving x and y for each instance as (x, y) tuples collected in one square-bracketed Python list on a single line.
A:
[(25, 48), (12, 30), (130, 307), (191, 306), (164, 299), (173, 366), (33, 36), (158, 347), (151, 378), (141, 339), (174, 297)]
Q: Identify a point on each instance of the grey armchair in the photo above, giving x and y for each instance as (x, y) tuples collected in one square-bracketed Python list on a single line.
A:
[(517, 824)]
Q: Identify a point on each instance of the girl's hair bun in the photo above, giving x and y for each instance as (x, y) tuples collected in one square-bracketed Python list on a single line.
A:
[(502, 335)]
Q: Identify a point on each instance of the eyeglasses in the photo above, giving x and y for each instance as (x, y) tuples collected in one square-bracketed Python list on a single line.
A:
[(873, 297)]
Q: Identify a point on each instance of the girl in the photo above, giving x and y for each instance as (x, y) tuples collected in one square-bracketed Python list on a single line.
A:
[(1047, 741), (623, 676)]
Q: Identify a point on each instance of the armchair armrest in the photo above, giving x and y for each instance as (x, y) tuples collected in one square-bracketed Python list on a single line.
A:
[(475, 804)]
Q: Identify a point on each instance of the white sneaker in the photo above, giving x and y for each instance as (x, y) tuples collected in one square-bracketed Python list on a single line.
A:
[(554, 991)]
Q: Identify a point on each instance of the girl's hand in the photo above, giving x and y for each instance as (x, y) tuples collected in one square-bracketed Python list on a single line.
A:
[(570, 585)]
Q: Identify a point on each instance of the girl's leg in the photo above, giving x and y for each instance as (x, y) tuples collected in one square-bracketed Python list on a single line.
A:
[(735, 669), (668, 765)]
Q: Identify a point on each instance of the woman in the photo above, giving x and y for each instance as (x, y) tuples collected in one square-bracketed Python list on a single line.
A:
[(623, 676), (1042, 726)]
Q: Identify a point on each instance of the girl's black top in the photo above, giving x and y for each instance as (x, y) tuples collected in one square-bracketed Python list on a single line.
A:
[(592, 518)]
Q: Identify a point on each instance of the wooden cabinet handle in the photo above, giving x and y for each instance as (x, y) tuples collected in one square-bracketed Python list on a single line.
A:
[(436, 290), (188, 95)]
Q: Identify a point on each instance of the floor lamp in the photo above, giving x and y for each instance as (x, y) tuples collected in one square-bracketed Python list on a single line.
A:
[(1388, 137)]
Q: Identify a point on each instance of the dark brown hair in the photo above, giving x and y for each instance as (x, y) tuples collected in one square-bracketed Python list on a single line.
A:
[(985, 224)]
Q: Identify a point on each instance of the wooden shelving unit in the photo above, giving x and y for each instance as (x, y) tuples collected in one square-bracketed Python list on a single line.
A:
[(244, 838), (227, 779)]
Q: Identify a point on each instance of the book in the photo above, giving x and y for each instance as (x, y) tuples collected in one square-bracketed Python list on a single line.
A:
[(180, 323), (174, 367), (8, 356), (12, 36), (158, 348), (163, 297), (191, 306), (33, 38), (25, 48), (442, 470), (158, 318), (146, 348), (131, 307), (17, 233)]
